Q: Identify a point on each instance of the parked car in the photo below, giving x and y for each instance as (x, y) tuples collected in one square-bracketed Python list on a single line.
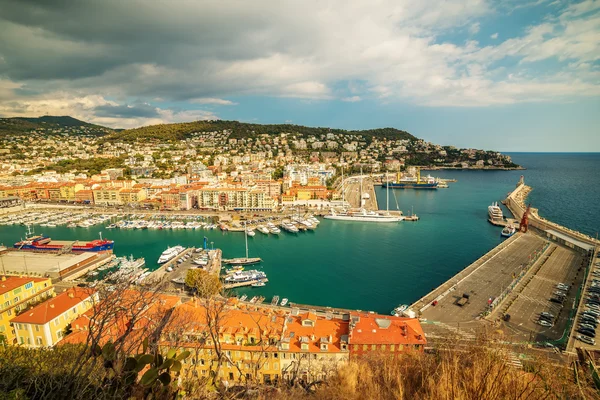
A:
[(544, 323), (586, 339)]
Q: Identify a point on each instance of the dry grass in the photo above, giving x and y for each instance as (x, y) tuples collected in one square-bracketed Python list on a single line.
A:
[(477, 373)]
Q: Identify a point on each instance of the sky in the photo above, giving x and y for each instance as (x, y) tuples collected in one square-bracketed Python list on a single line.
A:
[(508, 75)]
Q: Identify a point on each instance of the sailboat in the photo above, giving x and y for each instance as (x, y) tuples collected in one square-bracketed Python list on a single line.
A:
[(245, 260), (363, 215)]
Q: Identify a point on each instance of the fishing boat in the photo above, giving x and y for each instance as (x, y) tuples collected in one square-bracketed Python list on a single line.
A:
[(243, 297), (284, 302), (258, 284), (275, 300), (508, 231), (398, 310), (250, 232)]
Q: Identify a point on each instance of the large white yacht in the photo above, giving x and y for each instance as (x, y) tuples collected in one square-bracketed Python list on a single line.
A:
[(363, 216), (495, 212), (170, 253)]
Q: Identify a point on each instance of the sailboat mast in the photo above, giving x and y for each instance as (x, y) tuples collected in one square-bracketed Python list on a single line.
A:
[(387, 193), (343, 192), (246, 236), (361, 189)]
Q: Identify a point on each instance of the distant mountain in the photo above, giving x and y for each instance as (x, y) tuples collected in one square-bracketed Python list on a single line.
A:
[(65, 124), (241, 129)]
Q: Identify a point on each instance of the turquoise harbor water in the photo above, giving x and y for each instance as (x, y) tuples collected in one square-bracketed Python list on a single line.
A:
[(378, 266)]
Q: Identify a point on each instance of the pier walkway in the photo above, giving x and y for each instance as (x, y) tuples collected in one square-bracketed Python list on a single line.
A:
[(484, 280)]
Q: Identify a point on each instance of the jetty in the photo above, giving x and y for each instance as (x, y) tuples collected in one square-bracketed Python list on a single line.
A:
[(512, 284), (242, 284)]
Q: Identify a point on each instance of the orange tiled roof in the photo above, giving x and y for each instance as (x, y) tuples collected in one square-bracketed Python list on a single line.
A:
[(52, 308), (13, 282), (384, 329), (327, 331)]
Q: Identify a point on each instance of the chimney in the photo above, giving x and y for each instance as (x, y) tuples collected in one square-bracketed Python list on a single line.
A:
[(3, 278), (72, 295), (51, 305)]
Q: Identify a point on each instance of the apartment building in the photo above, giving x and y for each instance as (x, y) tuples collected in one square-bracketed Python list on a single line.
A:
[(45, 324), (16, 294)]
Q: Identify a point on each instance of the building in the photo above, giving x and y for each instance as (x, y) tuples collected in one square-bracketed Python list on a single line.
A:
[(377, 334), (132, 196), (45, 324), (16, 294), (248, 338), (108, 196), (313, 346)]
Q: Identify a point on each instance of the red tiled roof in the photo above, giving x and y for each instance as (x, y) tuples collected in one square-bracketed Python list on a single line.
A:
[(52, 308), (13, 282), (384, 329)]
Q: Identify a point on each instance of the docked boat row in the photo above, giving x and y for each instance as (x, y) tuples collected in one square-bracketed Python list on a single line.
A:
[(145, 224), (245, 276), (120, 270), (46, 219)]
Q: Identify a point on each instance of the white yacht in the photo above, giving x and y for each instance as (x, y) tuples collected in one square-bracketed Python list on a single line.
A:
[(170, 253), (250, 232), (495, 212), (363, 216), (262, 229)]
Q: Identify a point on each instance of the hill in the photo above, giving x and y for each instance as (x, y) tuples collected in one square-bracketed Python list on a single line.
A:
[(241, 129), (53, 124)]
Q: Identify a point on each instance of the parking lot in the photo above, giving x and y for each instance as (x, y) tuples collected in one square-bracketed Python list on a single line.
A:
[(592, 290), (559, 265), (487, 281)]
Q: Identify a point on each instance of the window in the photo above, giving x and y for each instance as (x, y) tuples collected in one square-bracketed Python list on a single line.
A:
[(21, 340), (29, 285), (373, 347), (392, 347), (39, 340), (364, 347), (56, 322), (383, 347), (59, 334), (37, 328)]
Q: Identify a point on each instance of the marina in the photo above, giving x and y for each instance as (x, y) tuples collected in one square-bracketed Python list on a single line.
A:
[(405, 261)]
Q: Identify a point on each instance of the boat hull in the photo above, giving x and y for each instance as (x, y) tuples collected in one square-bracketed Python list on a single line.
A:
[(363, 218), (410, 185)]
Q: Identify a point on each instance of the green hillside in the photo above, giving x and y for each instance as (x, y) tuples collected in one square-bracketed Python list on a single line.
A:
[(62, 124), (240, 129)]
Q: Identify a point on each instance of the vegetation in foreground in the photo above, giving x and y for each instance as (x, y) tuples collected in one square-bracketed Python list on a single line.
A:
[(479, 372)]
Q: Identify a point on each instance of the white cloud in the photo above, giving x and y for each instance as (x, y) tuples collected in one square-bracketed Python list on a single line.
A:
[(211, 100), (308, 50), (352, 99), (474, 28)]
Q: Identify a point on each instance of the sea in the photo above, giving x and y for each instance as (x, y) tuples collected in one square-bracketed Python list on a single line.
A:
[(376, 267)]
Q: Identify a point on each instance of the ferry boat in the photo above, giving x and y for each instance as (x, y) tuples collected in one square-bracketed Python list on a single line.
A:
[(170, 253), (412, 182), (44, 243), (495, 212), (508, 231)]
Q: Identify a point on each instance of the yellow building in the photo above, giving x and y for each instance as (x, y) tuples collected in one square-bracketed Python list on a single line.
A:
[(68, 190), (16, 293), (248, 341), (130, 196), (45, 324), (107, 196)]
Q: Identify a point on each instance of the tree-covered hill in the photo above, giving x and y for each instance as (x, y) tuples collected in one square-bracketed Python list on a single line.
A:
[(50, 124), (241, 129)]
